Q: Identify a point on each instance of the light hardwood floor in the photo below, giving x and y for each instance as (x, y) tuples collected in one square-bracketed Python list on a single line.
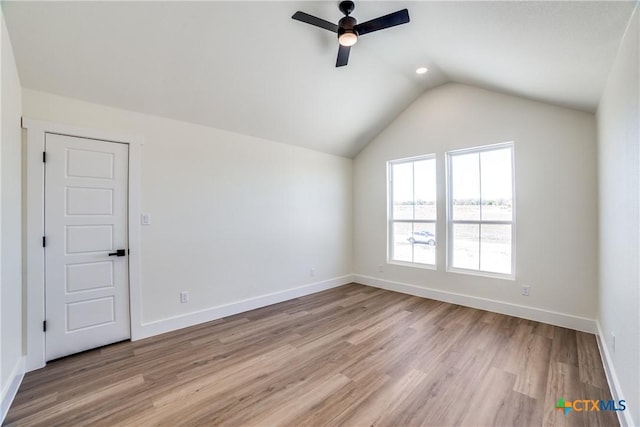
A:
[(352, 356)]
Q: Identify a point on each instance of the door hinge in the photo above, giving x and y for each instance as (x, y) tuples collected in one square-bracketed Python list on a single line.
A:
[(44, 241), (44, 326), (44, 157)]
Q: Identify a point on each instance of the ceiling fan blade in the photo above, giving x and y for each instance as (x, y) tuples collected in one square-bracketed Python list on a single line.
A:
[(386, 21), (310, 19), (343, 56)]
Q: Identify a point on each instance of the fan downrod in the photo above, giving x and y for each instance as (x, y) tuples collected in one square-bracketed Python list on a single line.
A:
[(347, 7)]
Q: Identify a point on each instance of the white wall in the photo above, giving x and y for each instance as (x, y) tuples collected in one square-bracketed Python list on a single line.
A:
[(619, 189), (555, 172), (233, 217), (11, 344)]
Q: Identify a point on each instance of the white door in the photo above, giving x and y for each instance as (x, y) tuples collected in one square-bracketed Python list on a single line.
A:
[(86, 262)]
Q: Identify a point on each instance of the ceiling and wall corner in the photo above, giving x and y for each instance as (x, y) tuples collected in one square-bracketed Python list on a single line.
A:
[(247, 67)]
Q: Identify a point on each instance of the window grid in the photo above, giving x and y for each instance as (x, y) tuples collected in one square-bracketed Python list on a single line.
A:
[(392, 256), (451, 222)]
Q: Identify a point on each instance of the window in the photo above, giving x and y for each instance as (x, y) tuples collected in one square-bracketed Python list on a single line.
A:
[(480, 210), (412, 210)]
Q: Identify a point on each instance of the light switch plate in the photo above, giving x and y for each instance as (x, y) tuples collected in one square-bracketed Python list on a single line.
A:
[(145, 219)]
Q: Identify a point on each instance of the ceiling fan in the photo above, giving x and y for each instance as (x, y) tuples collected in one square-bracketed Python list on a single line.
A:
[(348, 29)]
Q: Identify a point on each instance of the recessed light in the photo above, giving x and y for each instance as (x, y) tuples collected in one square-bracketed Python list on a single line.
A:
[(421, 70)]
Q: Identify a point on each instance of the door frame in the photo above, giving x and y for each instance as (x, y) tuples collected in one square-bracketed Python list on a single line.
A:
[(33, 214)]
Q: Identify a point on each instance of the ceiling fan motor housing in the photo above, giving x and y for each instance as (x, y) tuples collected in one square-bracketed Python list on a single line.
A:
[(346, 24)]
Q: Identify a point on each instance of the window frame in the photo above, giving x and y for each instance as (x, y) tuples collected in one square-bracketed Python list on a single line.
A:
[(451, 222), (391, 221)]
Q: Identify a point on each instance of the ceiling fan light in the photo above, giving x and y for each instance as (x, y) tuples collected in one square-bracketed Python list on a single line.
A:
[(348, 38)]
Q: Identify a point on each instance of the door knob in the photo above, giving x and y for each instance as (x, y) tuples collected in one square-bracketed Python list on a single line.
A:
[(119, 252)]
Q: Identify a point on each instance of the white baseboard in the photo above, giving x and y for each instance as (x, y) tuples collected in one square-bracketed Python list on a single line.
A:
[(10, 389), (624, 417), (551, 317), (190, 319)]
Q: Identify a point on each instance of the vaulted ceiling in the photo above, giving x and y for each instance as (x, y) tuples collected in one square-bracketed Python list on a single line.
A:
[(248, 67)]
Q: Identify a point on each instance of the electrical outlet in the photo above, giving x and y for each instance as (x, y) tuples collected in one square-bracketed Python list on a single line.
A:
[(613, 342), (184, 297), (526, 290), (380, 268), (312, 272)]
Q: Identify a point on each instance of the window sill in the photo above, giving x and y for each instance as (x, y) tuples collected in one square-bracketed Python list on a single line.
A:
[(488, 274), (413, 264)]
